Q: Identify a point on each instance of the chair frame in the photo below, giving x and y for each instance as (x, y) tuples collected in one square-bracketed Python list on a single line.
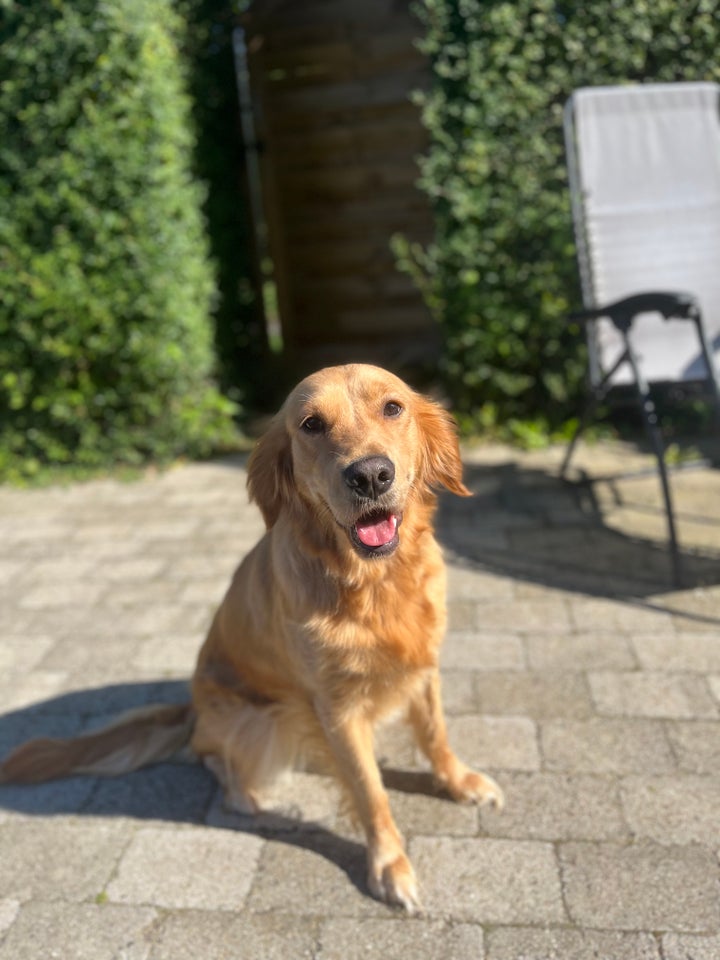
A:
[(622, 314)]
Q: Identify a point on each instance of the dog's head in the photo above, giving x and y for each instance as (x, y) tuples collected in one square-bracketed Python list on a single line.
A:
[(355, 445)]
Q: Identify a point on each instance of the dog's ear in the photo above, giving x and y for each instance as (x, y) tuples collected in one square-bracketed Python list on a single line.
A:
[(270, 473), (440, 453)]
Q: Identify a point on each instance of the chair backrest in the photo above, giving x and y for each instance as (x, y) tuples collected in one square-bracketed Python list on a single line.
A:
[(644, 165)]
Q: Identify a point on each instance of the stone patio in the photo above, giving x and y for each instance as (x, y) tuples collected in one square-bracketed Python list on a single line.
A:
[(574, 672)]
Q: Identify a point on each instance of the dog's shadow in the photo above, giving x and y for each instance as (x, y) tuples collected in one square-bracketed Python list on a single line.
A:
[(182, 792)]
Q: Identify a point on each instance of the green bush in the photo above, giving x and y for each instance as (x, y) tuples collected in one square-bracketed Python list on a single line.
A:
[(500, 275), (105, 281)]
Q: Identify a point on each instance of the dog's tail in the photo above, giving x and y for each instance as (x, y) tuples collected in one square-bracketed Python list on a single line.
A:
[(143, 736)]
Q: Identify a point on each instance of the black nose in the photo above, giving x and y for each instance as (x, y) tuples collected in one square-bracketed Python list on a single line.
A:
[(370, 477)]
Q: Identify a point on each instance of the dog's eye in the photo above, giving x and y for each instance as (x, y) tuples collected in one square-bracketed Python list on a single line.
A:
[(392, 409), (312, 425)]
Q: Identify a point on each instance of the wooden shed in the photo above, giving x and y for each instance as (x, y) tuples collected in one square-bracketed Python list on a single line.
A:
[(338, 137)]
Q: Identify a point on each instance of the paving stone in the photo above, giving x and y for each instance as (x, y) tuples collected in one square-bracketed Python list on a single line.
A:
[(419, 810), (139, 596), (462, 615), (105, 703), (398, 940), (193, 867), (26, 690), (305, 871), (22, 653), (165, 792), (502, 743), (539, 695), (103, 552), (488, 881), (677, 946), (292, 802), (527, 943), (171, 655), (606, 615), (85, 931), (689, 652), (88, 662), (56, 859), (66, 796), (532, 615), (59, 570), (55, 596), (35, 530), (208, 590), (641, 887), (18, 726), (395, 745), (699, 610), (605, 746), (696, 745), (580, 651), (545, 806), (211, 935), (143, 618), (458, 692), (218, 565), (129, 570), (77, 621), (480, 650), (117, 582), (11, 570), (16, 621), (9, 910), (465, 582), (673, 810), (645, 694)]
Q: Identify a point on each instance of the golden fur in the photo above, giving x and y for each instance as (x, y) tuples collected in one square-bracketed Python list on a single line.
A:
[(322, 634)]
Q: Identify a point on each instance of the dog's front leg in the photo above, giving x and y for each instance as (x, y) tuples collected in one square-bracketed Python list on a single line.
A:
[(428, 721), (390, 874)]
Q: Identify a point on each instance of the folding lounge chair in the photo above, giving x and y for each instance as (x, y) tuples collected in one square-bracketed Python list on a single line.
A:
[(644, 171)]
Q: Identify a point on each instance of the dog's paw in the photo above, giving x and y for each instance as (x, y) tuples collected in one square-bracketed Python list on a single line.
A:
[(395, 883), (471, 787)]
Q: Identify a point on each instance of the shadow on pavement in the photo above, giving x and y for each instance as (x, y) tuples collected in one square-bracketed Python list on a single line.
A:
[(528, 524), (168, 792)]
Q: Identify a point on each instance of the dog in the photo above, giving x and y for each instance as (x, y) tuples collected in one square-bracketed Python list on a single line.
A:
[(332, 622)]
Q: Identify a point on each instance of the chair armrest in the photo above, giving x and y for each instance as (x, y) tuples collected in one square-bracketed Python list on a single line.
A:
[(680, 306)]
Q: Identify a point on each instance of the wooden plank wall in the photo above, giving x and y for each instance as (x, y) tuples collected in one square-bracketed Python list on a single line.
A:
[(339, 136)]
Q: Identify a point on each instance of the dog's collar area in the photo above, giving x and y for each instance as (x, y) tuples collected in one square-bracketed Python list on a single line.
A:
[(376, 535)]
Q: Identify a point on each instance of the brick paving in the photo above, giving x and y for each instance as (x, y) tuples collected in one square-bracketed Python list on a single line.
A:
[(573, 672)]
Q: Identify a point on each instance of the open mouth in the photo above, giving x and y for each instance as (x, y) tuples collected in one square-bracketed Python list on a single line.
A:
[(376, 535)]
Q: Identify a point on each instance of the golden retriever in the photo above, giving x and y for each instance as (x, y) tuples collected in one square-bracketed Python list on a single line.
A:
[(331, 623)]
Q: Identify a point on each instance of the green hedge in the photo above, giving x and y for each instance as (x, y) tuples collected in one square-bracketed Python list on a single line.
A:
[(501, 275), (105, 280)]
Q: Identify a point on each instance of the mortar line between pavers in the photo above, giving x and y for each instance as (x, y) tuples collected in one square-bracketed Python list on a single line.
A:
[(619, 779), (556, 845), (664, 727), (19, 906), (83, 808), (658, 938), (151, 931), (116, 867)]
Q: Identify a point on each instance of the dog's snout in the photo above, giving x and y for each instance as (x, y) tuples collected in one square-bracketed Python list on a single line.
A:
[(371, 477)]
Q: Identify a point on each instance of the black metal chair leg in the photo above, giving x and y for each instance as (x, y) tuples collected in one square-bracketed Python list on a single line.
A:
[(583, 420), (596, 398), (652, 429)]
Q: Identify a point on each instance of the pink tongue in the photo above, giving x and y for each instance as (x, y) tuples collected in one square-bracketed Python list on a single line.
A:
[(377, 533)]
